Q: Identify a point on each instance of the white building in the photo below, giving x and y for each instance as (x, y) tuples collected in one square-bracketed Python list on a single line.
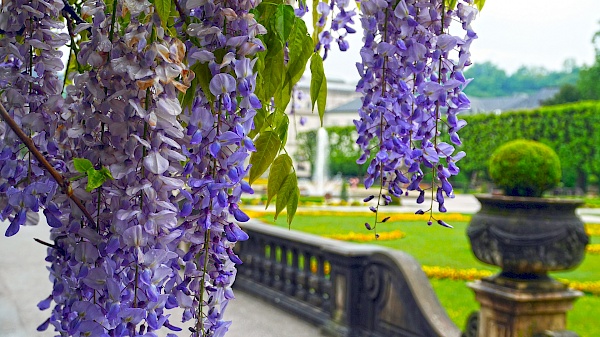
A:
[(339, 94)]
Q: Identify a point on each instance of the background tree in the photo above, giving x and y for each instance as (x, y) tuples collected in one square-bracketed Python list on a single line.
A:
[(491, 81), (587, 84)]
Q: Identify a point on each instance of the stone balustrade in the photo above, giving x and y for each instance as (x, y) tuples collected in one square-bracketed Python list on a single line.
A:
[(345, 288)]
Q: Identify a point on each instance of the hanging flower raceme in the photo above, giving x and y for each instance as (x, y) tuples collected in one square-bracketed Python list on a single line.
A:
[(217, 147), (31, 94), (111, 276), (411, 78), (341, 25), (118, 270)]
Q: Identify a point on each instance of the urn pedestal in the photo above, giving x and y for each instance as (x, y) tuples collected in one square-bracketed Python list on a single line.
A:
[(527, 238)]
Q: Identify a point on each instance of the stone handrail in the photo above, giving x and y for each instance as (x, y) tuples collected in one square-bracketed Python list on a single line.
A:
[(347, 289)]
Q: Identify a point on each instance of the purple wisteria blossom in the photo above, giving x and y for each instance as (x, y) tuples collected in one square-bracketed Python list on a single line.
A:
[(177, 170), (412, 78), (340, 26)]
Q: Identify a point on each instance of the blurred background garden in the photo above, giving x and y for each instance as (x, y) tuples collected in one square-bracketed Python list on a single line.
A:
[(559, 108)]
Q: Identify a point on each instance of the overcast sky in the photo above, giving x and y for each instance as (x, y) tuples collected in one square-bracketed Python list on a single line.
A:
[(514, 33)]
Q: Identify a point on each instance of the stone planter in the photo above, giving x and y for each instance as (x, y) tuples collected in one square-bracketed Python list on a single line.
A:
[(527, 237)]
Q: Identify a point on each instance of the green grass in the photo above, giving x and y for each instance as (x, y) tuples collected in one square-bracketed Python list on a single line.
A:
[(439, 246)]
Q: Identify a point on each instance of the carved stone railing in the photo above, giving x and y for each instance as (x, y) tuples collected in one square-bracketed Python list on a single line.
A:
[(345, 288)]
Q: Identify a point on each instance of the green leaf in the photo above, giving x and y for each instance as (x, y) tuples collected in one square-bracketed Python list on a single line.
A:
[(95, 179), (282, 128), (279, 171), (292, 205), (186, 99), (315, 19), (300, 49), (106, 173), (450, 4), (204, 76), (283, 94), (267, 146), (163, 9), (318, 84), (479, 4), (82, 165), (283, 21), (283, 195), (273, 74), (259, 122)]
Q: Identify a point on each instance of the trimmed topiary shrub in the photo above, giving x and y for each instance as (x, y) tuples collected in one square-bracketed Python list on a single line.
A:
[(524, 168)]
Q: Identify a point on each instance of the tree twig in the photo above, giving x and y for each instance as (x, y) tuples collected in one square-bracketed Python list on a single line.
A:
[(68, 9), (64, 184), (71, 11), (45, 243)]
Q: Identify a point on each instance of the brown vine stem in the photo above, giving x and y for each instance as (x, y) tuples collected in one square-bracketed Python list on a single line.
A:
[(64, 184), (181, 12)]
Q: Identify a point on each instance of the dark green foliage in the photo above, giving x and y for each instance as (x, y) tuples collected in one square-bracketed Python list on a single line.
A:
[(586, 86), (343, 151), (571, 129), (524, 168), (589, 80), (568, 93)]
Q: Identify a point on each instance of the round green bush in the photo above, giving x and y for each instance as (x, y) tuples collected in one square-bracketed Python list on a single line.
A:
[(524, 168)]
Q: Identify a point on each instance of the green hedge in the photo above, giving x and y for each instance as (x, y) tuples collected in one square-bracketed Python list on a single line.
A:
[(572, 130)]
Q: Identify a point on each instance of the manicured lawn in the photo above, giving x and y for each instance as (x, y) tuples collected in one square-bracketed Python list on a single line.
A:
[(439, 246)]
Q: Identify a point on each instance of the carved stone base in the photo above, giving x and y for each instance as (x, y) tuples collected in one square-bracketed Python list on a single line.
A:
[(513, 308)]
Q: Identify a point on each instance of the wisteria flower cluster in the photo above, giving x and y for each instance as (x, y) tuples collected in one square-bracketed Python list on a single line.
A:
[(341, 25), (158, 231), (137, 158), (412, 80)]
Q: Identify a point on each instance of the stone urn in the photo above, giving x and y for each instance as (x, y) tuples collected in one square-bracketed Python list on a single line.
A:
[(527, 237)]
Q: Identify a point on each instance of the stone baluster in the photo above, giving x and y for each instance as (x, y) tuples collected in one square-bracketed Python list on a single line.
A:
[(302, 276), (290, 272), (278, 267), (365, 291), (314, 283)]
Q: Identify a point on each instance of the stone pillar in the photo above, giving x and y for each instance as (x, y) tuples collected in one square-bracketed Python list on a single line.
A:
[(522, 308)]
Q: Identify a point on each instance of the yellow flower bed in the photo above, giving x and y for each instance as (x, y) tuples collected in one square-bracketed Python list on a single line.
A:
[(367, 236), (424, 217), (590, 287), (592, 229), (455, 274), (256, 214), (435, 272), (393, 217), (593, 248)]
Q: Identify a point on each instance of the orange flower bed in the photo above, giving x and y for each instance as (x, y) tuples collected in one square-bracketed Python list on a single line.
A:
[(326, 267)]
